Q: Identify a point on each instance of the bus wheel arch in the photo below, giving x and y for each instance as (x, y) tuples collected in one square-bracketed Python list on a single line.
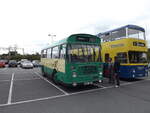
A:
[(53, 76), (43, 73)]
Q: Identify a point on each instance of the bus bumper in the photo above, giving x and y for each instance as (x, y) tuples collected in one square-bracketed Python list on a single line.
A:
[(133, 71), (77, 81)]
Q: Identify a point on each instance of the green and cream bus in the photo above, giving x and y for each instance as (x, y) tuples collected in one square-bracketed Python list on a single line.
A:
[(73, 61)]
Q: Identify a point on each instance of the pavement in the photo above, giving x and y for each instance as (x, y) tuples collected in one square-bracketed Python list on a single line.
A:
[(26, 91)]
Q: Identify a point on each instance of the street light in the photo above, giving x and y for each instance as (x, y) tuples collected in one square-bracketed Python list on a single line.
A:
[(50, 35)]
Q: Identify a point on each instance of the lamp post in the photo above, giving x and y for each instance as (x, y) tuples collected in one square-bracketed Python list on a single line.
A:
[(50, 35)]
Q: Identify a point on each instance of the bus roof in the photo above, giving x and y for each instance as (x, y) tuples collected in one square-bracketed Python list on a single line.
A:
[(123, 27), (71, 39)]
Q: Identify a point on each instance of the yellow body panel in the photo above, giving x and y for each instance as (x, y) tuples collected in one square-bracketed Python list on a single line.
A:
[(58, 64), (122, 45)]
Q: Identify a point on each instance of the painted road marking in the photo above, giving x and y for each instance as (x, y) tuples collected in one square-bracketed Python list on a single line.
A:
[(99, 85), (39, 99), (10, 90), (23, 72), (5, 73), (59, 96), (20, 80), (51, 83)]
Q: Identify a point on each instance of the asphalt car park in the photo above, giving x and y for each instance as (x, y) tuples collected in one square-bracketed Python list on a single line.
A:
[(26, 91)]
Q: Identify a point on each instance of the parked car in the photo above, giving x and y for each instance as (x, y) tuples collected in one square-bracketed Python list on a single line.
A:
[(19, 62), (26, 64), (12, 63), (22, 60), (6, 61), (2, 63), (35, 63)]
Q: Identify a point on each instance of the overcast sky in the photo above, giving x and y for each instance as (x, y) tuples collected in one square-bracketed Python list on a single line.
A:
[(27, 23)]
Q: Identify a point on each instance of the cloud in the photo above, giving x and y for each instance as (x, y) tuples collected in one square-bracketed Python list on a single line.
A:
[(28, 23)]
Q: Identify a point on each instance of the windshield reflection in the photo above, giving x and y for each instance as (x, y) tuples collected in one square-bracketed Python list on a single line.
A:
[(84, 53)]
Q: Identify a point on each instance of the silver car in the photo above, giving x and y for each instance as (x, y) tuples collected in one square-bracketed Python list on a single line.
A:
[(26, 64)]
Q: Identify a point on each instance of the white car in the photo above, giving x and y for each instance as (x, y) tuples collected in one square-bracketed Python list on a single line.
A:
[(26, 64), (36, 63)]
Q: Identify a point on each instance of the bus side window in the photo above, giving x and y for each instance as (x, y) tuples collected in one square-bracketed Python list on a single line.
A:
[(55, 52), (44, 53), (62, 51), (122, 57), (49, 53)]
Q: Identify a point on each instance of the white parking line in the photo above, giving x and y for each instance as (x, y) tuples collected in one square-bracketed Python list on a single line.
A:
[(23, 72), (99, 85), (10, 90), (5, 80), (39, 99), (92, 90), (51, 83), (76, 93), (19, 80), (27, 79), (5, 73), (5, 68)]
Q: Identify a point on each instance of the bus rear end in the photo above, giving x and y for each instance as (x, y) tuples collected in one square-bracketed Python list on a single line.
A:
[(133, 71)]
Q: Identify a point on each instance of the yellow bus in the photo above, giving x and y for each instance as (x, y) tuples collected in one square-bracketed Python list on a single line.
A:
[(128, 43)]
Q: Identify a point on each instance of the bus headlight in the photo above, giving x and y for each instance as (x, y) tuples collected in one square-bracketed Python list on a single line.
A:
[(133, 75), (74, 84), (100, 81), (100, 73), (133, 71), (74, 74)]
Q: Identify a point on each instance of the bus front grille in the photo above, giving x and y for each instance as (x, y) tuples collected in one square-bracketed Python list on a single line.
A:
[(87, 70)]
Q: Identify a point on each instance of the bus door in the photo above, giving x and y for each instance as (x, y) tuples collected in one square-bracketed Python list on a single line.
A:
[(107, 57)]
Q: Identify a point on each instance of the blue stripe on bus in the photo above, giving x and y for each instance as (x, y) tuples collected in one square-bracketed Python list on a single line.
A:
[(133, 71)]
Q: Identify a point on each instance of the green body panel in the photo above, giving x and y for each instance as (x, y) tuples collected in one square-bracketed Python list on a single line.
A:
[(48, 71), (72, 39), (67, 77), (85, 71), (83, 77)]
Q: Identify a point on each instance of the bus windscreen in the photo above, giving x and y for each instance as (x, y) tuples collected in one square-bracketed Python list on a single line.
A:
[(84, 53)]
